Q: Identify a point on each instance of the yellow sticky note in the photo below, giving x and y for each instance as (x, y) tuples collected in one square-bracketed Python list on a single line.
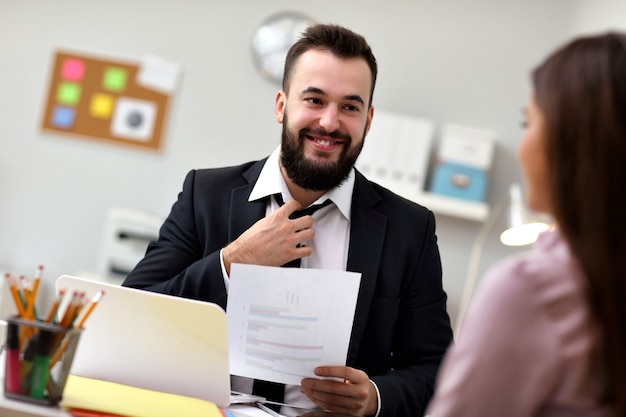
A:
[(101, 105), (108, 397)]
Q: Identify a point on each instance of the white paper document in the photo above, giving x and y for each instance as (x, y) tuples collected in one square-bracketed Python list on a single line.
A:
[(158, 74), (284, 322)]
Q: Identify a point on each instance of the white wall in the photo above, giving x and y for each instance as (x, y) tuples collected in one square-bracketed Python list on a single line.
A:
[(457, 61), (600, 15)]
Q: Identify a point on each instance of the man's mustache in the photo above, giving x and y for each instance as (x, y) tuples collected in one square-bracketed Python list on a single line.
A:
[(322, 132)]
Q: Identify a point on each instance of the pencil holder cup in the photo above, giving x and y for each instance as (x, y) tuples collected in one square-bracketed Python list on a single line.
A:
[(38, 358)]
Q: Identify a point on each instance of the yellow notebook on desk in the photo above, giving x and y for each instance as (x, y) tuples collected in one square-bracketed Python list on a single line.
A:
[(108, 397)]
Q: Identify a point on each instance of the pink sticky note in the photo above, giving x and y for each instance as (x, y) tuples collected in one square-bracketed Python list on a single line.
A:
[(73, 69)]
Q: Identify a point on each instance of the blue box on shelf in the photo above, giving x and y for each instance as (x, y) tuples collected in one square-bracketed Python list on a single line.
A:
[(460, 181)]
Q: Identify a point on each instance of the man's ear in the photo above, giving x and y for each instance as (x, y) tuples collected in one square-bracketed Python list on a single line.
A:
[(279, 108)]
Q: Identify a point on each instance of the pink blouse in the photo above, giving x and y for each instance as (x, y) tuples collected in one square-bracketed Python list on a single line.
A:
[(524, 348)]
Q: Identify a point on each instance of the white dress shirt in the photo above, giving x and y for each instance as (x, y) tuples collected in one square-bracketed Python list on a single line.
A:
[(330, 246), (332, 223)]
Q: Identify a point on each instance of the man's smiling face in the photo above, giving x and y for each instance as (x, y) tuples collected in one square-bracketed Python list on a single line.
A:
[(325, 118)]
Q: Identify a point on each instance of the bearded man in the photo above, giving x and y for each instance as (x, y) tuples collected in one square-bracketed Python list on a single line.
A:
[(245, 214)]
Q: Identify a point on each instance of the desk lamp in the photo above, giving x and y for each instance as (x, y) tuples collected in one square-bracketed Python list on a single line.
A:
[(523, 229)]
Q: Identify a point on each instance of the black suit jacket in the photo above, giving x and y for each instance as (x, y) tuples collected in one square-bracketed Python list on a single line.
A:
[(401, 328)]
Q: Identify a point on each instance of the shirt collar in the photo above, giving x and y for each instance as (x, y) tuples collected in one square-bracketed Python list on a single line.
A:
[(271, 182)]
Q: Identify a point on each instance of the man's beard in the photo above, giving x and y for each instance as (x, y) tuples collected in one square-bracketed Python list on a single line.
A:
[(316, 175)]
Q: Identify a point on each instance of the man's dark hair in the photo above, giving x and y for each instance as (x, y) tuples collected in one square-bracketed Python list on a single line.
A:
[(335, 39)]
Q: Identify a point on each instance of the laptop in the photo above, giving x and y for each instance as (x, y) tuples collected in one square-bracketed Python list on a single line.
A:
[(152, 341)]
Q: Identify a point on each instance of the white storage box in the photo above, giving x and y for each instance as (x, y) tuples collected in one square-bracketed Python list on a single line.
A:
[(397, 151)]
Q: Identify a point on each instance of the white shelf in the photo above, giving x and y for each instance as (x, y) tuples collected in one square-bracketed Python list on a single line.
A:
[(449, 206), (471, 210)]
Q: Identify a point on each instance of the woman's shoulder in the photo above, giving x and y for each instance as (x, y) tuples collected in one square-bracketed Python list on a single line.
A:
[(548, 272), (545, 285)]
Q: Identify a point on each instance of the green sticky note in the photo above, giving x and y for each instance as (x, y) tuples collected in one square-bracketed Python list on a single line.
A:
[(68, 93), (114, 79)]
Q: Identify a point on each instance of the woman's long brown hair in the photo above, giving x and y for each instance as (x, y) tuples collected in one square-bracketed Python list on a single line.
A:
[(581, 90)]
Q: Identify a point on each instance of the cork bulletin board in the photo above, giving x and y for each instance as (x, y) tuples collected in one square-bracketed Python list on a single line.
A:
[(109, 100)]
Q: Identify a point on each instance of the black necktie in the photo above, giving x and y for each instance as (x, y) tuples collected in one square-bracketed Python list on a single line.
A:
[(299, 213), (274, 391), (304, 212)]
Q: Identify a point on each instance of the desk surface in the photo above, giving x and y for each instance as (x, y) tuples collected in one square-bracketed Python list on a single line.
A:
[(15, 408)]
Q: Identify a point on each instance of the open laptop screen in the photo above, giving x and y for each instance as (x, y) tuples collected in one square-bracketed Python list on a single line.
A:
[(153, 341)]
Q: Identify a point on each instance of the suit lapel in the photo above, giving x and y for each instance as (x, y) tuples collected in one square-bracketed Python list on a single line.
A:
[(244, 214), (367, 234)]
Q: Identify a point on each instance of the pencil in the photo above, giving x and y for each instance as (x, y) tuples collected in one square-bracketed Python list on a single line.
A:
[(68, 315), (59, 352), (90, 307), (80, 303), (51, 317), (16, 296), (37, 279), (39, 272), (32, 310), (25, 332), (27, 291), (27, 308)]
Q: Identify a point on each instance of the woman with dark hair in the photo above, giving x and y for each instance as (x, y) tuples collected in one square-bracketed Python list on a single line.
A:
[(546, 333)]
